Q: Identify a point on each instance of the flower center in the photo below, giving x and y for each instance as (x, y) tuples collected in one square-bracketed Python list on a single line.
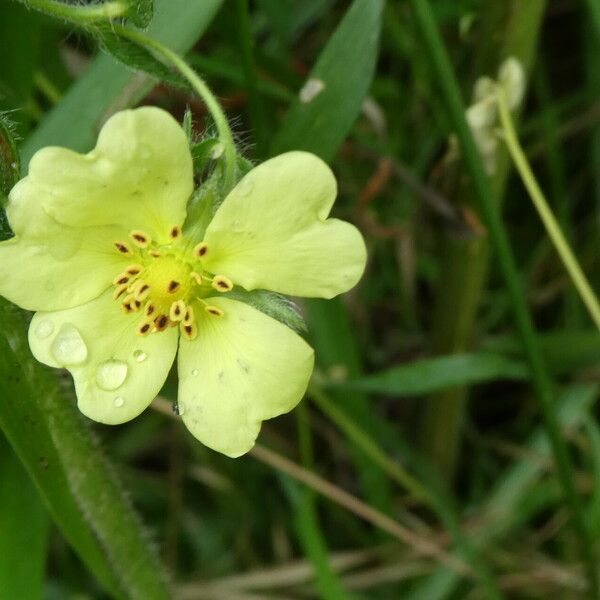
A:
[(166, 283)]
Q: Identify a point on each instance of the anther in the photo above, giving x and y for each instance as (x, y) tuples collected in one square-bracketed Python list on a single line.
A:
[(134, 270), (196, 277), (128, 306), (123, 248), (161, 322), (175, 232), (173, 286), (155, 253), (140, 238), (177, 310), (150, 308), (142, 291), (119, 291), (222, 283), (121, 279), (200, 250), (190, 331), (213, 310), (188, 316), (145, 328)]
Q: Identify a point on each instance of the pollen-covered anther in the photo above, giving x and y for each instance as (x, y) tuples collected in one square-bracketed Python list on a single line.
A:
[(173, 286), (123, 248), (189, 331), (177, 311), (145, 328), (128, 305), (175, 233), (161, 322), (213, 310), (149, 309), (119, 291), (121, 279), (142, 291), (196, 277), (140, 238), (188, 316), (134, 270), (222, 283), (200, 250), (155, 253)]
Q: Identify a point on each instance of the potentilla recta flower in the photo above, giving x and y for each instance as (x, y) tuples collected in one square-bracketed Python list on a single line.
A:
[(121, 287)]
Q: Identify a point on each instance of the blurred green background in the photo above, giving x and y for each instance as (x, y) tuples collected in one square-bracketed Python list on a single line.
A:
[(418, 466)]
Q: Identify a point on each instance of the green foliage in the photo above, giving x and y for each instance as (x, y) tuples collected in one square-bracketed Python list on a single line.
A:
[(10, 162)]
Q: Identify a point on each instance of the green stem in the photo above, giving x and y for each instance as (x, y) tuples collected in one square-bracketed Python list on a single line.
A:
[(541, 204), (79, 13), (543, 386), (200, 87)]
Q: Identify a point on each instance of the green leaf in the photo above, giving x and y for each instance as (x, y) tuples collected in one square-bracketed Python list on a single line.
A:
[(434, 374), (23, 531), (136, 56), (70, 472), (108, 86), (141, 12), (332, 96)]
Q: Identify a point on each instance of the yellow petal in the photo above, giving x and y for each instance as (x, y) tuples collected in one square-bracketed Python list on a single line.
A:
[(242, 368), (117, 373), (272, 231), (139, 176)]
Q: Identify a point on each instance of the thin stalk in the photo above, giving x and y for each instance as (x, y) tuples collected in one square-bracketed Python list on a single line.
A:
[(225, 135), (442, 507), (79, 13), (542, 383), (509, 135)]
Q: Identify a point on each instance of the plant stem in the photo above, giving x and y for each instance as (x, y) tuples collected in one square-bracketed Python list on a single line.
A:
[(79, 13), (200, 87), (541, 204), (543, 386)]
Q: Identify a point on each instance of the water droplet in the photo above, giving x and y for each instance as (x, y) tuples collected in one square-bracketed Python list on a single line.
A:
[(68, 347), (140, 356), (195, 373), (111, 374), (44, 329), (245, 186), (312, 88), (180, 408), (118, 401)]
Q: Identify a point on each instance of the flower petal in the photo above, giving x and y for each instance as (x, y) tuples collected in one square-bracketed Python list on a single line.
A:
[(272, 231), (243, 368), (139, 176), (117, 373), (63, 268)]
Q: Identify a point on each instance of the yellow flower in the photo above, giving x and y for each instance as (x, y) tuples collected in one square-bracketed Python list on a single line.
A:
[(100, 251)]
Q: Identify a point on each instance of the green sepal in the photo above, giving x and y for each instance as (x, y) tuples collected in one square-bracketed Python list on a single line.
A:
[(277, 306), (202, 205), (10, 162)]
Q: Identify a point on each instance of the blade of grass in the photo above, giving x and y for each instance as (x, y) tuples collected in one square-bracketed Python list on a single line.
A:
[(541, 381)]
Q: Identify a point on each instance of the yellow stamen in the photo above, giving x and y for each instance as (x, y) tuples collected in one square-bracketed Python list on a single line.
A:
[(196, 277), (173, 286), (213, 310), (161, 322), (123, 248), (189, 331), (175, 232), (121, 279), (155, 253), (145, 328), (119, 291), (200, 250), (222, 283), (177, 310), (142, 290), (149, 310), (140, 238), (134, 270), (188, 316)]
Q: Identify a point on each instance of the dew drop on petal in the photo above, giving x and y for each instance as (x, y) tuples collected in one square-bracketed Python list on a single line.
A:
[(195, 373), (140, 356), (118, 401), (68, 347), (111, 374), (44, 329)]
